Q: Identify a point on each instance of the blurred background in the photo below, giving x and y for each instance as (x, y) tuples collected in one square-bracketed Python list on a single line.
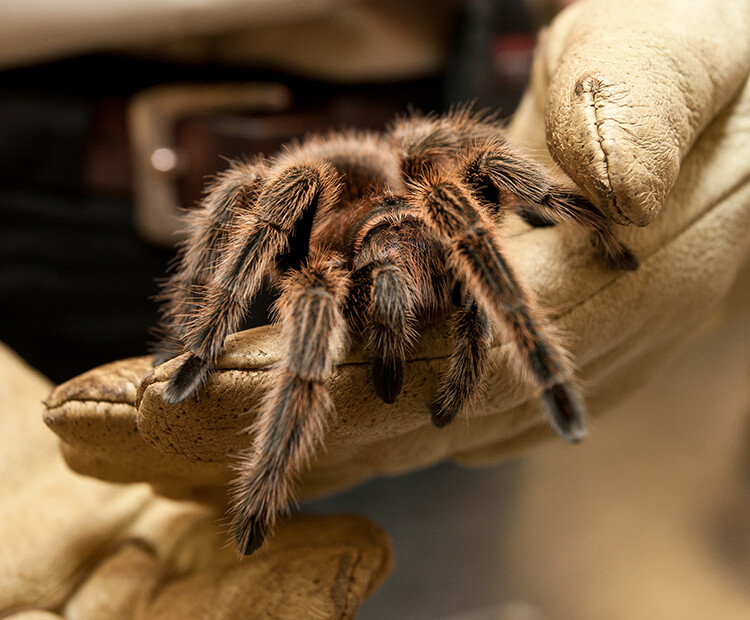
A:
[(111, 119)]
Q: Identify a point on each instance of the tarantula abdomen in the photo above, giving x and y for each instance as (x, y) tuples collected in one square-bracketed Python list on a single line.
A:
[(389, 233)]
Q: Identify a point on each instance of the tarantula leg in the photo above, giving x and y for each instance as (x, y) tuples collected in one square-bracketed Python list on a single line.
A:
[(234, 191), (388, 378), (533, 218), (545, 202), (460, 221), (254, 242), (189, 376), (490, 280), (472, 333), (384, 257), (575, 208), (223, 309), (292, 418), (545, 359), (391, 328)]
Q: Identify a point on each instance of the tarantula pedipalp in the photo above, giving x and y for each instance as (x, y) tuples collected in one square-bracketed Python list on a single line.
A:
[(368, 236)]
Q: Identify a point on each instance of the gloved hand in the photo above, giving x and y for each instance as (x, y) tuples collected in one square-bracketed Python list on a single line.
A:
[(77, 548), (647, 106)]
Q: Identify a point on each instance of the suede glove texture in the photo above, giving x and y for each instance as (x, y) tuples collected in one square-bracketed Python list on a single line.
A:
[(77, 548)]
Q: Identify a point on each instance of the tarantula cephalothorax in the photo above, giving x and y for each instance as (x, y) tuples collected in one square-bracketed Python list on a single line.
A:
[(368, 235)]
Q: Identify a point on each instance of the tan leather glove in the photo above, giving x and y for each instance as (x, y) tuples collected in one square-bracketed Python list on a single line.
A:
[(647, 106), (83, 549)]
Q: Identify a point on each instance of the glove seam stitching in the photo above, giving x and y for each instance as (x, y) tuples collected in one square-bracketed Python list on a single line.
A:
[(347, 610), (590, 88)]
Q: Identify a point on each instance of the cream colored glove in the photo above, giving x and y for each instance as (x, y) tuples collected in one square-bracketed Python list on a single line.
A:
[(646, 104), (83, 549)]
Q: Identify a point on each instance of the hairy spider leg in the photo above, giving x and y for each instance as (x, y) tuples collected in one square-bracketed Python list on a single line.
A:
[(424, 202), (256, 239), (492, 164), (424, 142), (388, 316), (391, 331), (403, 265), (472, 335), (292, 418), (234, 190), (454, 213)]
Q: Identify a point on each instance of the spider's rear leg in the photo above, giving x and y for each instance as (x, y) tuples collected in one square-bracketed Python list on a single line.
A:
[(279, 220), (477, 259), (545, 202), (293, 415), (472, 333)]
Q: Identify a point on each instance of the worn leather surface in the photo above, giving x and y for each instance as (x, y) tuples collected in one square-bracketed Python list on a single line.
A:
[(684, 169), (77, 548), (629, 86)]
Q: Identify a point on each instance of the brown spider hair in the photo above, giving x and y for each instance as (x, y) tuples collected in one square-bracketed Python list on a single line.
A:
[(369, 236)]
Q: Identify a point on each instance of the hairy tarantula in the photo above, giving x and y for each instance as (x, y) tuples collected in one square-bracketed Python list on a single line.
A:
[(368, 235)]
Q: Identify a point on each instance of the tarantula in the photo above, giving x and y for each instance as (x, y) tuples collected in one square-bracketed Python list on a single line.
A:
[(368, 235)]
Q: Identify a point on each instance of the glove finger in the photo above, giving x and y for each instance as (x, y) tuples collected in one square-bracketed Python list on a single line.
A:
[(52, 522), (119, 588), (628, 85), (313, 567), (95, 417)]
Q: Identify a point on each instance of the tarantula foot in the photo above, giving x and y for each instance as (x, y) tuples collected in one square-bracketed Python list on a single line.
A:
[(443, 415), (190, 376), (626, 260), (565, 412), (532, 218), (249, 533), (618, 255), (388, 378)]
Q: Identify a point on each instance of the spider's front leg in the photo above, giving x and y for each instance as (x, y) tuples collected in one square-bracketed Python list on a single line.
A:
[(408, 271), (391, 327), (450, 208), (279, 220), (495, 165), (293, 415), (234, 192), (383, 302)]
